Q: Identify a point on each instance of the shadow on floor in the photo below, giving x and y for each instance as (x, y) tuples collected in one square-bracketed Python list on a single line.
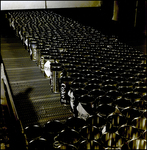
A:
[(25, 108)]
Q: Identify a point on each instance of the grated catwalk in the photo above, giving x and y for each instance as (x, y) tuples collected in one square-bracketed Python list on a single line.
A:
[(34, 101)]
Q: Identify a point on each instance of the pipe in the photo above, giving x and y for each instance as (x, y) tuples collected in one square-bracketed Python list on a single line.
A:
[(136, 13)]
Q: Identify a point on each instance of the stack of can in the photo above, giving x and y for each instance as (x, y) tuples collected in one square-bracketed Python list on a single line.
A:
[(96, 132), (101, 78)]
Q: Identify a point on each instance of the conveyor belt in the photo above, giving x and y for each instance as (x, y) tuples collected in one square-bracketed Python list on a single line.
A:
[(34, 102)]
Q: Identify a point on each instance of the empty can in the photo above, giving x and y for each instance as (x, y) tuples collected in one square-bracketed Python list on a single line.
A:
[(137, 144), (75, 123), (74, 94), (65, 86), (112, 140), (91, 133), (86, 106), (56, 74), (90, 144), (129, 132), (33, 49)]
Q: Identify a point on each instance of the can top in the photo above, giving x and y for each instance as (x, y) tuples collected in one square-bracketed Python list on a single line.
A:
[(54, 53), (44, 52), (86, 99), (104, 99), (69, 66), (33, 41), (54, 126), (76, 74), (82, 67), (80, 91), (96, 92), (63, 61), (57, 68), (81, 79), (66, 78), (72, 70), (76, 85), (90, 76)]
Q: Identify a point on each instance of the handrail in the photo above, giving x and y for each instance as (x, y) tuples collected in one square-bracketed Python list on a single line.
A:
[(7, 89), (8, 100)]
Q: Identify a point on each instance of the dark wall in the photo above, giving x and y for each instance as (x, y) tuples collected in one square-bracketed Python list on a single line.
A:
[(5, 29), (87, 16), (145, 18), (101, 18), (97, 17), (126, 18)]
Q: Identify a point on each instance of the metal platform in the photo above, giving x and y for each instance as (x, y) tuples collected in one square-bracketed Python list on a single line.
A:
[(33, 99)]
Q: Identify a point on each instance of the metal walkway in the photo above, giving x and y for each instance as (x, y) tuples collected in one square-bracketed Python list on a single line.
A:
[(34, 102)]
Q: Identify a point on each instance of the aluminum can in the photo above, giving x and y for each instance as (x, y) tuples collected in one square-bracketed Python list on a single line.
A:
[(65, 86), (56, 74)]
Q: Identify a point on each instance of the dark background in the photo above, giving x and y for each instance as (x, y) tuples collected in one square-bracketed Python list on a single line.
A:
[(101, 19)]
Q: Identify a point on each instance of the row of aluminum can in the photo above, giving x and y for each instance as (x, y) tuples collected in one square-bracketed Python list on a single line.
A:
[(94, 133), (95, 74)]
